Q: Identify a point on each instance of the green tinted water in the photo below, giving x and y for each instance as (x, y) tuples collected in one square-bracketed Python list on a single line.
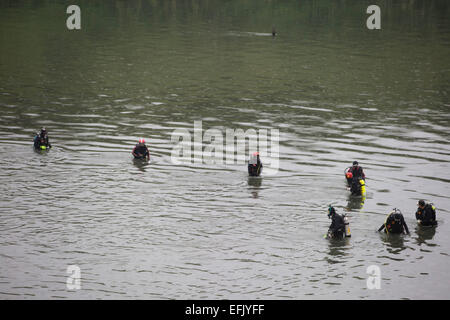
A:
[(335, 90)]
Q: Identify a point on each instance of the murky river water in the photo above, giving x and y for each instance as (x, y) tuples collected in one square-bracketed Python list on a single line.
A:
[(336, 92)]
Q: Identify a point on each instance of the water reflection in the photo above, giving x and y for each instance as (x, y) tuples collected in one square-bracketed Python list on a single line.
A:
[(141, 164), (394, 242), (424, 233), (355, 202), (337, 250), (41, 152), (254, 185)]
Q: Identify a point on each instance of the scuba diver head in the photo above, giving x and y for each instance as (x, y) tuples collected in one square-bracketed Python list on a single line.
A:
[(141, 142), (331, 211), (396, 215), (355, 163), (43, 132), (421, 204), (254, 158)]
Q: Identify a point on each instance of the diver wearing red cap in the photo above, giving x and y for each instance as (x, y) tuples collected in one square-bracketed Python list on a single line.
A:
[(140, 151), (254, 165)]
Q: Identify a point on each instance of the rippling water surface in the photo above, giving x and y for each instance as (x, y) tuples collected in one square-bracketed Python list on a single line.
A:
[(336, 92)]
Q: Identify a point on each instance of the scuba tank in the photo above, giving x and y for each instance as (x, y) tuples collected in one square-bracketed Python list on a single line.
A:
[(358, 187), (433, 213), (363, 187), (347, 227)]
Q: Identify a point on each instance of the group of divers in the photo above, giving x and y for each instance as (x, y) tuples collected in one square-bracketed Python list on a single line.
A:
[(339, 228)]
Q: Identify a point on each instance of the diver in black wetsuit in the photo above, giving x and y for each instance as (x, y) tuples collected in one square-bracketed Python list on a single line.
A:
[(395, 223), (337, 227), (426, 214), (140, 151), (254, 165), (41, 140), (356, 187)]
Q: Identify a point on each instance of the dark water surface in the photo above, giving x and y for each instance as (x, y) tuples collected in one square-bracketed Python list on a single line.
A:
[(335, 90)]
